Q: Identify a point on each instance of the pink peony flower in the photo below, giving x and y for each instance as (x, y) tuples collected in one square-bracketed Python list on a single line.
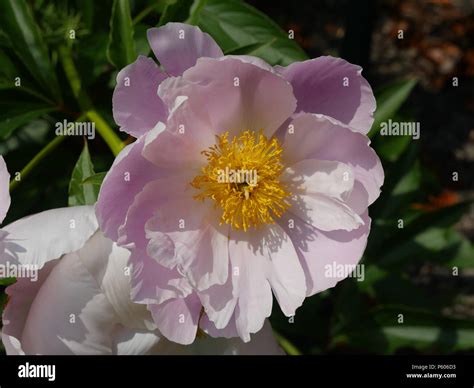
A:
[(78, 300), (4, 199), (4, 192), (245, 181)]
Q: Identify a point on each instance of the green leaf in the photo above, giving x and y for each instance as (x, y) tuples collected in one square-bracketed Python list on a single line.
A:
[(382, 331), (32, 135), (442, 245), (79, 193), (155, 6), (141, 40), (86, 8), (243, 50), (18, 115), (425, 331), (389, 99), (427, 237), (401, 186), (464, 256), (390, 148), (93, 61), (121, 49), (7, 281), (8, 79), (175, 11), (3, 302), (195, 11), (8, 70), (393, 287), (95, 179), (18, 25), (236, 25)]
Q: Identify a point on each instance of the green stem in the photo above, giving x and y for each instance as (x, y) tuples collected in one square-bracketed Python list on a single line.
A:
[(286, 345), (109, 136), (37, 158), (45, 151), (144, 13), (195, 12), (107, 133)]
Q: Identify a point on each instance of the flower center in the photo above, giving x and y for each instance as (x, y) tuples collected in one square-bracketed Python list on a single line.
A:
[(242, 177)]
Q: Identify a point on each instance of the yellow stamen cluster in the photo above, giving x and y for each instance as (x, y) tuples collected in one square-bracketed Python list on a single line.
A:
[(244, 202)]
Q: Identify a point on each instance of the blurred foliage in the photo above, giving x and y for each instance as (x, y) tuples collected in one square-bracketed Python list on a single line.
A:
[(35, 93)]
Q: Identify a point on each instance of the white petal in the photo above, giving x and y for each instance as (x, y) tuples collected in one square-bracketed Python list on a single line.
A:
[(45, 236), (4, 189), (108, 264), (333, 179), (249, 266), (285, 274), (325, 213), (132, 342)]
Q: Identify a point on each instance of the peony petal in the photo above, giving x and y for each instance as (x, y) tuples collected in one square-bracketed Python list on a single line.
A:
[(69, 315), (173, 150), (253, 60), (249, 266), (210, 265), (21, 296), (149, 201), (125, 179), (136, 105), (12, 345), (45, 236), (188, 132), (229, 330), (311, 176), (332, 87), (358, 199), (178, 232), (231, 95), (80, 302), (136, 342), (4, 189), (153, 283), (219, 304), (275, 262), (317, 250), (79, 305), (108, 265), (320, 137), (177, 319), (324, 213), (178, 46), (182, 234), (285, 274)]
